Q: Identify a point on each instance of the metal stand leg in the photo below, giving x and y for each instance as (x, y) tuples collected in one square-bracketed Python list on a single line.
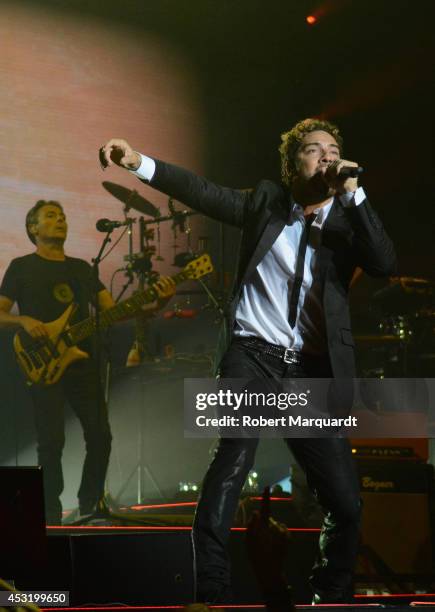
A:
[(141, 470)]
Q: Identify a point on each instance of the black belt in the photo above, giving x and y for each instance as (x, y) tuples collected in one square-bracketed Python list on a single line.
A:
[(275, 350)]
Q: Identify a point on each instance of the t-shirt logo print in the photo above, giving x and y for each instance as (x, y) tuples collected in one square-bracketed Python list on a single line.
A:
[(63, 293)]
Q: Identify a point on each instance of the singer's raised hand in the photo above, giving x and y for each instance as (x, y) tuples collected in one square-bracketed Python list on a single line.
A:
[(341, 184), (118, 151)]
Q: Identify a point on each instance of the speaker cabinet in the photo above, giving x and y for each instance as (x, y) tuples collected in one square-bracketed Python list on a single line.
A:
[(397, 529)]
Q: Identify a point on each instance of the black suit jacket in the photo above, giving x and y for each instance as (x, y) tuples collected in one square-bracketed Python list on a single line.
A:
[(351, 237)]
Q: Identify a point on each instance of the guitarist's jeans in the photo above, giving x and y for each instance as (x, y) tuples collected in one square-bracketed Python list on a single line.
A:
[(78, 386), (331, 475)]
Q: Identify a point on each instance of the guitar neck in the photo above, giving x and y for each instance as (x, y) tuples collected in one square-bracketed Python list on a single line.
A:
[(80, 331)]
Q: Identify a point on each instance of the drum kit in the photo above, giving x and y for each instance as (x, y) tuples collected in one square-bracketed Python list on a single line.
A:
[(139, 265), (140, 262), (404, 344)]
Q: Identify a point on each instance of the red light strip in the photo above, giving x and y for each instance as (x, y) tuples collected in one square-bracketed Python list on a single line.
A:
[(126, 608), (283, 499), (154, 528), (193, 503), (101, 608), (396, 595), (175, 505), (304, 529), (116, 528), (182, 504)]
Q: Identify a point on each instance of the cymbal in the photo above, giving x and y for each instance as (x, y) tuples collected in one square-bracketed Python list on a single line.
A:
[(132, 198)]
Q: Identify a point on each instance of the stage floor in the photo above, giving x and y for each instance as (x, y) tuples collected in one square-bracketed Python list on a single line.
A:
[(151, 565)]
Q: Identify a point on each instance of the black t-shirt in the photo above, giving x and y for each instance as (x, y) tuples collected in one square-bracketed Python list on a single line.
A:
[(44, 288)]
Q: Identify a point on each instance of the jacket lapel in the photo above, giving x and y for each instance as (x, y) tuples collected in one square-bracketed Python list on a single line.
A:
[(335, 226), (272, 230), (336, 217)]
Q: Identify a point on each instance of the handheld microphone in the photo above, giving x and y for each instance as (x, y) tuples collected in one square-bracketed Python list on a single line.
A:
[(106, 225), (350, 172)]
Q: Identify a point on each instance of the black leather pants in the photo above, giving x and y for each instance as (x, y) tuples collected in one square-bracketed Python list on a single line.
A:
[(331, 476)]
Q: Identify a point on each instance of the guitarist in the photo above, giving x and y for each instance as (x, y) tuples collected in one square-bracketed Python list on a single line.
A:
[(43, 284)]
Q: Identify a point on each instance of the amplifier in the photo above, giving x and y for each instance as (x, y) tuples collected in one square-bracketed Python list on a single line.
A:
[(394, 476), (391, 448), (397, 524)]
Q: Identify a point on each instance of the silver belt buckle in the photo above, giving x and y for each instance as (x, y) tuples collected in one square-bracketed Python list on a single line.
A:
[(289, 356)]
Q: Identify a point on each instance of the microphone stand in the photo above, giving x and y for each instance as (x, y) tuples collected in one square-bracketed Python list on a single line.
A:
[(129, 258), (102, 508), (126, 285)]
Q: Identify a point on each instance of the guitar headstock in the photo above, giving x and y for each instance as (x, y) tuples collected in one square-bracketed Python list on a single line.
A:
[(199, 267)]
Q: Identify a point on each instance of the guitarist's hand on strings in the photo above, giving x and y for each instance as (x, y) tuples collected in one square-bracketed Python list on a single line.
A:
[(33, 327), (165, 288)]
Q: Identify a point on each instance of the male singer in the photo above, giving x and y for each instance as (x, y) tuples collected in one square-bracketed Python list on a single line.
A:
[(288, 316)]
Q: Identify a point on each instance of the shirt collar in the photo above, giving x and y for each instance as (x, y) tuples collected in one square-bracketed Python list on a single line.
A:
[(322, 213)]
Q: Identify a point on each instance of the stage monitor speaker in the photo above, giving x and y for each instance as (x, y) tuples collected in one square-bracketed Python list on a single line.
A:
[(22, 521)]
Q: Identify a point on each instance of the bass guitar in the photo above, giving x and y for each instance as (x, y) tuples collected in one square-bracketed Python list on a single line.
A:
[(44, 360)]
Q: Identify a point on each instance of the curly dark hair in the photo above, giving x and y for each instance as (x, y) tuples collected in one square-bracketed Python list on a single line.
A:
[(291, 142), (32, 215)]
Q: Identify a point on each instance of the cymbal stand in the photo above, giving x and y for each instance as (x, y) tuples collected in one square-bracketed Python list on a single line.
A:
[(141, 470), (129, 259)]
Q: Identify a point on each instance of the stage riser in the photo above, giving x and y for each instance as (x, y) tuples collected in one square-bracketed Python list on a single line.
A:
[(153, 568), (156, 568)]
